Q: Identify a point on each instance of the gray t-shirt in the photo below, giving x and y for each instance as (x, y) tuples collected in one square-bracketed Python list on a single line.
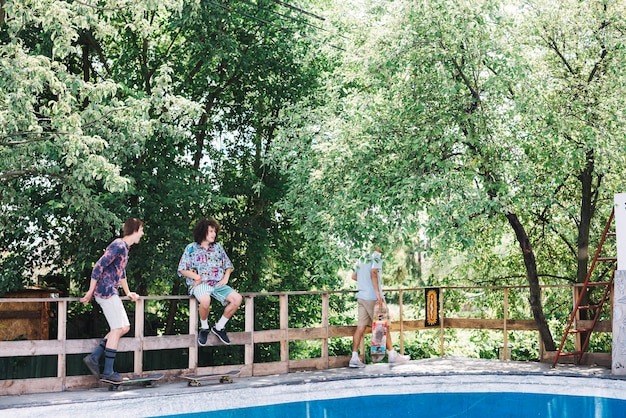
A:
[(363, 270)]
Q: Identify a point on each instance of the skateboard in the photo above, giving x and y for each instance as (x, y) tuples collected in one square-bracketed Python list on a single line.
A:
[(222, 377), (380, 327), (147, 381)]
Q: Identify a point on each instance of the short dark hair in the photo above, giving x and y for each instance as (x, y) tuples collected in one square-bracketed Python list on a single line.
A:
[(202, 228), (132, 225)]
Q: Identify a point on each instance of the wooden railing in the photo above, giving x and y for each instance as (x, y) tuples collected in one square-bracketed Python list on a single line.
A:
[(407, 317)]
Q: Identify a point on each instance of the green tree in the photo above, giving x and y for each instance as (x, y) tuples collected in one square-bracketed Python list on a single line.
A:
[(452, 125), (179, 103), (578, 57), (61, 138)]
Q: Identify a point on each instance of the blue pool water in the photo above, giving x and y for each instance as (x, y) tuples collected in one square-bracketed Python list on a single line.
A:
[(438, 405)]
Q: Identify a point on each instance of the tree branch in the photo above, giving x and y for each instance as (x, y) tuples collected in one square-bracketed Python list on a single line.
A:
[(10, 175)]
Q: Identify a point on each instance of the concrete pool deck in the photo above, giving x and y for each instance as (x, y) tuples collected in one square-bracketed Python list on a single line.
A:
[(416, 376)]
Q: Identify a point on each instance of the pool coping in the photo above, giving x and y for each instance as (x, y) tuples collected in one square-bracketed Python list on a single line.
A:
[(417, 376)]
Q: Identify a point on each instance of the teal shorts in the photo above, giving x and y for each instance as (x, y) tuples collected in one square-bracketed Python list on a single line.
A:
[(219, 293)]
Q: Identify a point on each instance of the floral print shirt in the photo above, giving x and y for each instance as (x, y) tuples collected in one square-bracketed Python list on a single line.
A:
[(209, 263)]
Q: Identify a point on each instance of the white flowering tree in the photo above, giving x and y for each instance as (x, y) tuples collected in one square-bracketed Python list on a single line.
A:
[(481, 128)]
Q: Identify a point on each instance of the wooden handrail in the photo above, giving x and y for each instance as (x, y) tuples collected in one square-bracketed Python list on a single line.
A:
[(139, 343)]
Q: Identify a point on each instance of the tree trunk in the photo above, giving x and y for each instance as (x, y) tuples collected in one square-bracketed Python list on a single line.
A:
[(3, 14), (533, 281), (587, 210), (172, 309)]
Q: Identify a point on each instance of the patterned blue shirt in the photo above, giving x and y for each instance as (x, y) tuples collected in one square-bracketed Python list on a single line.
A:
[(209, 263), (110, 269)]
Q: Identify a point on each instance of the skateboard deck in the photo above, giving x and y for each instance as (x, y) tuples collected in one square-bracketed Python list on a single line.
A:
[(222, 377), (380, 327), (146, 381)]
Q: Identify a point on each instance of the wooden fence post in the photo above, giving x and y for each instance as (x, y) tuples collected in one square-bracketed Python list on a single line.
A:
[(249, 327), (401, 322), (284, 327), (62, 336), (139, 331), (441, 321), (504, 329), (325, 320), (193, 331)]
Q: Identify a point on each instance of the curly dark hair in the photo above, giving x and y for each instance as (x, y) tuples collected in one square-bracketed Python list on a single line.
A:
[(202, 227)]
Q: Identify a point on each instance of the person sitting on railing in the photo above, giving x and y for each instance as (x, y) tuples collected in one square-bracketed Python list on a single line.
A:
[(206, 268), (107, 275), (368, 275)]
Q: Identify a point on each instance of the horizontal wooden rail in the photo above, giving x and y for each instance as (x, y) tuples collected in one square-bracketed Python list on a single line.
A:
[(140, 343)]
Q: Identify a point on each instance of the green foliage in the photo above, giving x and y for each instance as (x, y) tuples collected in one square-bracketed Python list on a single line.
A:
[(340, 346), (160, 111), (444, 119), (424, 344), (157, 318), (524, 346), (305, 349), (266, 352), (422, 123), (270, 319)]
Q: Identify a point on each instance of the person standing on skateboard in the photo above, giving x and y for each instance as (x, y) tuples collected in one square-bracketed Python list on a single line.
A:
[(107, 275), (206, 268), (368, 275)]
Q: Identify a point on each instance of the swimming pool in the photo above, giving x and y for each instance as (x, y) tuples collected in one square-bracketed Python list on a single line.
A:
[(433, 388), (466, 405), (456, 395)]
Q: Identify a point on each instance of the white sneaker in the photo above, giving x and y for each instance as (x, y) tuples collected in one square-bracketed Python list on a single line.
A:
[(356, 363), (395, 358)]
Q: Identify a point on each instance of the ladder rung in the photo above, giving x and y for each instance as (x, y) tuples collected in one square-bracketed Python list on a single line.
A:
[(589, 306), (573, 353), (577, 330), (597, 284), (607, 289)]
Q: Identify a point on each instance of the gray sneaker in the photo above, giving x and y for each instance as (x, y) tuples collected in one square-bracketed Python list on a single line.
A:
[(396, 358), (202, 337), (221, 334), (92, 365), (356, 363), (113, 377)]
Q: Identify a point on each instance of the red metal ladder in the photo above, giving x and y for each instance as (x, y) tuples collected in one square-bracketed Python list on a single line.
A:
[(572, 327)]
